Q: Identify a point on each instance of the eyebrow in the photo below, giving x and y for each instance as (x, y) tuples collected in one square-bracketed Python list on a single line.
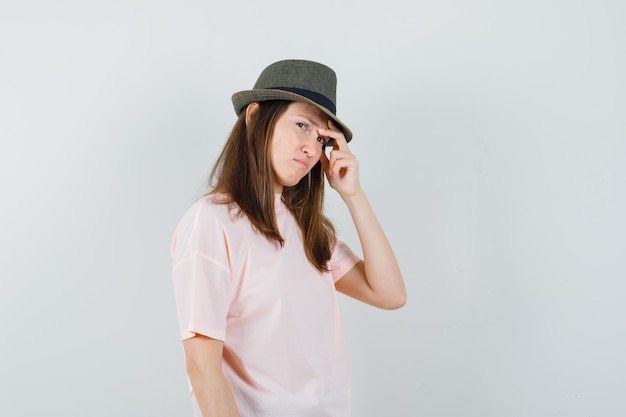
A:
[(313, 122)]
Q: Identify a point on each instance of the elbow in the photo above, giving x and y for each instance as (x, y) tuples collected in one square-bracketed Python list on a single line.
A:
[(394, 303)]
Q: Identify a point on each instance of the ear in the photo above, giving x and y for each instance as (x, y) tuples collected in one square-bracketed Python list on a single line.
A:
[(250, 110)]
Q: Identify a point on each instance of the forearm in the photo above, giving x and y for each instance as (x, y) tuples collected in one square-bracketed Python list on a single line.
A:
[(381, 268), (377, 280), (213, 393), (203, 357)]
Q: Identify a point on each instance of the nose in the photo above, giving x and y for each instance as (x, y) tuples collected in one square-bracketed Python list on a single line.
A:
[(311, 147)]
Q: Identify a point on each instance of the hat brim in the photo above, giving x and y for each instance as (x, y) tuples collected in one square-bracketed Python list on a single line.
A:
[(243, 98)]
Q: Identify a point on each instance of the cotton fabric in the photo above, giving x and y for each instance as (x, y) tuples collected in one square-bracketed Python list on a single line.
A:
[(278, 316)]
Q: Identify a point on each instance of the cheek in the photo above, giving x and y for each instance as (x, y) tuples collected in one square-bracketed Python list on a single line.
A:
[(322, 150), (274, 149), (278, 144)]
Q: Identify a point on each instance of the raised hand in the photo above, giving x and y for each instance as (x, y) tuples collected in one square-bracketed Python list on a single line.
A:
[(341, 167)]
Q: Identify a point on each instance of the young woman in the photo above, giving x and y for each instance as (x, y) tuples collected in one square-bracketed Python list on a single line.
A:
[(256, 264)]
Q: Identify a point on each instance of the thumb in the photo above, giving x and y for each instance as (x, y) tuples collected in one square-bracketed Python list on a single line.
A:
[(324, 160)]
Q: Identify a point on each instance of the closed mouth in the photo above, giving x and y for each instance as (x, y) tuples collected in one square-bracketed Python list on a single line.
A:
[(302, 163)]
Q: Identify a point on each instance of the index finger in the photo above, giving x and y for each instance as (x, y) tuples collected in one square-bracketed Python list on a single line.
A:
[(339, 138)]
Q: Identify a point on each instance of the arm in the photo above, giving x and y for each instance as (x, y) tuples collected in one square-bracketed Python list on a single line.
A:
[(204, 366), (376, 280)]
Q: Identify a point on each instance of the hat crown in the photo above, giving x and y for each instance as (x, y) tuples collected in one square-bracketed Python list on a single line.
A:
[(295, 80), (299, 74)]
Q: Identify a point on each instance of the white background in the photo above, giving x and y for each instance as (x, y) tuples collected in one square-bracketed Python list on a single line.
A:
[(492, 141)]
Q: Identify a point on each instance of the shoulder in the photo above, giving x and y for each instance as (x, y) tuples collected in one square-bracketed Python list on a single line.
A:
[(207, 213), (209, 216), (211, 210)]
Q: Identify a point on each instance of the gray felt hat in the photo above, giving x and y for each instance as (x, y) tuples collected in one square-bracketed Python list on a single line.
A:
[(296, 80)]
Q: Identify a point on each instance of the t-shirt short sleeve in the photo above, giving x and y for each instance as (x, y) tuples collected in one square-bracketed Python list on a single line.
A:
[(342, 260), (200, 274)]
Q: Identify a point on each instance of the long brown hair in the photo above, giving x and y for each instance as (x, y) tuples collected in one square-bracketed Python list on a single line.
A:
[(243, 173)]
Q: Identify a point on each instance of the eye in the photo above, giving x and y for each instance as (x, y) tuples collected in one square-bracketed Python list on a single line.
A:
[(301, 125), (322, 140)]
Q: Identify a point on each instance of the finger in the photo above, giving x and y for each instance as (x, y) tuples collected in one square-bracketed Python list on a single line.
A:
[(336, 165), (333, 133), (329, 135), (336, 156), (325, 162), (340, 139), (328, 165)]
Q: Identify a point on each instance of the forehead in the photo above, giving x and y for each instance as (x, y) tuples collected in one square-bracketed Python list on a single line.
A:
[(308, 110)]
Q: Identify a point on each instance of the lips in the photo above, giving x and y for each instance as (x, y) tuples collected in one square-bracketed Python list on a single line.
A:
[(303, 163)]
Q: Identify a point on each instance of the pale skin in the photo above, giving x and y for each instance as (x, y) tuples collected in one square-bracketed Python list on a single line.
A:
[(295, 147)]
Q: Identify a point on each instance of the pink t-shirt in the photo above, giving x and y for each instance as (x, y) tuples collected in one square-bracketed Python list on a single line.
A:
[(277, 315)]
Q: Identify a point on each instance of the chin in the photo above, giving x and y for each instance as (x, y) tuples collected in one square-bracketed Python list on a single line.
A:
[(291, 182)]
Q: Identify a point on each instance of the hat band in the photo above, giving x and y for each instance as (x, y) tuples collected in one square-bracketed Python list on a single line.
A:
[(318, 98)]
